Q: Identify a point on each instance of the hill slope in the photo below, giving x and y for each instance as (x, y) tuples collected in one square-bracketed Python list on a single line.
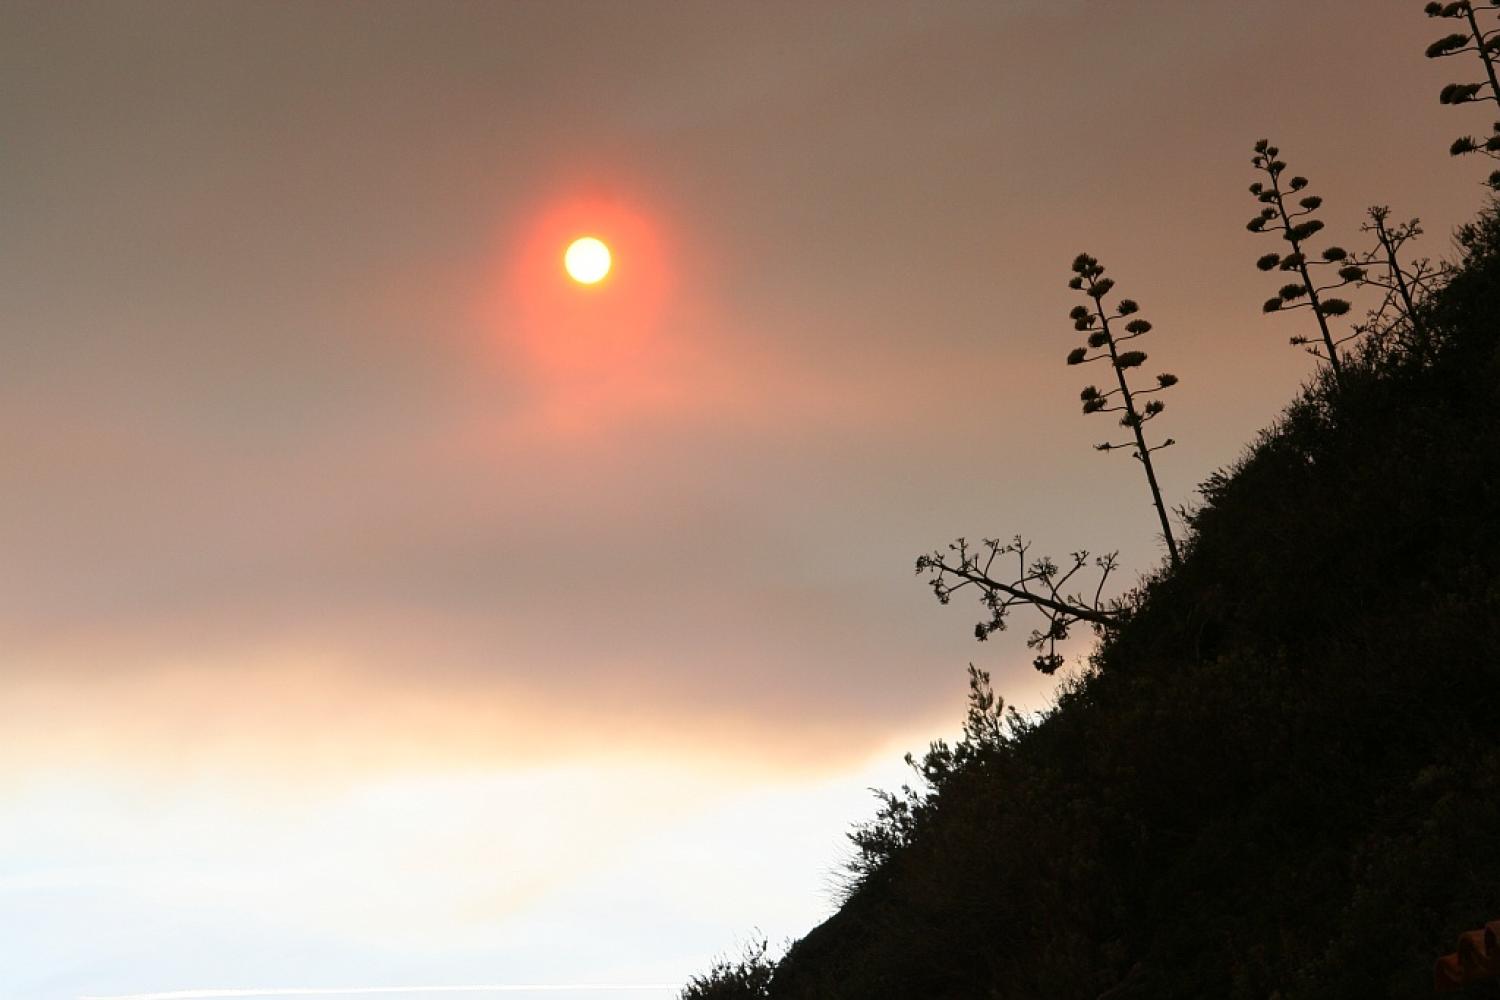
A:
[(1282, 776)]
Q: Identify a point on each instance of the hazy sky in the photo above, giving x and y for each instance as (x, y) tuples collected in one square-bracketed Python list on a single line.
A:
[(378, 607)]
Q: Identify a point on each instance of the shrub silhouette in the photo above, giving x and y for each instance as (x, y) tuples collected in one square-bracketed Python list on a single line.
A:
[(987, 728), (745, 978)]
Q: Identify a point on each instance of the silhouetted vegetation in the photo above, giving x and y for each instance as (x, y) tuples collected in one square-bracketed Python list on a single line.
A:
[(1484, 43), (1278, 775), (1038, 583), (1106, 342), (1297, 226), (1402, 285), (745, 978), (1041, 583), (902, 813)]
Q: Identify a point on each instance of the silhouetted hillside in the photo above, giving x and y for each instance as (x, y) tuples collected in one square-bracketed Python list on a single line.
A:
[(1281, 777)]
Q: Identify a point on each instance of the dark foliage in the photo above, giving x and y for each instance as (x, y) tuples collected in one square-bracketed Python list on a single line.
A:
[(1281, 775), (745, 978)]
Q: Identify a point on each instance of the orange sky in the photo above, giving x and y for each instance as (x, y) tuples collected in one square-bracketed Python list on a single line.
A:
[(293, 366), (318, 471)]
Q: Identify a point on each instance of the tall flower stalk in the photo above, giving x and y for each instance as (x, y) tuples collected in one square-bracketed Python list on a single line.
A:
[(1297, 226), (1402, 285), (1485, 43), (1109, 330)]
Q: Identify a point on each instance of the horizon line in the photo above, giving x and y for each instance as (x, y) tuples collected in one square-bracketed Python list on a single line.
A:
[(293, 991)]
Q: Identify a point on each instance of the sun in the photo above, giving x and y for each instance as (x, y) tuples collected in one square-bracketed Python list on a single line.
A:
[(587, 260)]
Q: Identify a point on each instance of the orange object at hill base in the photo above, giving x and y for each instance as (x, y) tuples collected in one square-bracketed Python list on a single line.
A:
[(1477, 958)]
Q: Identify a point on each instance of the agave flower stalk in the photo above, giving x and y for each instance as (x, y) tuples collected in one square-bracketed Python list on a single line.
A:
[(1402, 285), (1483, 43), (1035, 582), (1106, 342), (1297, 226)]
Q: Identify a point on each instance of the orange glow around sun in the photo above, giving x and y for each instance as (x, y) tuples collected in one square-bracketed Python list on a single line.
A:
[(587, 336)]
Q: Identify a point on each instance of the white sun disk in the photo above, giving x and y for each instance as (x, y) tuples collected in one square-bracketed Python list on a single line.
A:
[(587, 260)]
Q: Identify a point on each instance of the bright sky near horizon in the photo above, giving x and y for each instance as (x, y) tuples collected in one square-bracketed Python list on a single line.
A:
[(382, 608)]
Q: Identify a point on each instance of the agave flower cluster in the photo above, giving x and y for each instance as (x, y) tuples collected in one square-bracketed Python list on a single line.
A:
[(1106, 342), (1296, 225), (1485, 43)]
